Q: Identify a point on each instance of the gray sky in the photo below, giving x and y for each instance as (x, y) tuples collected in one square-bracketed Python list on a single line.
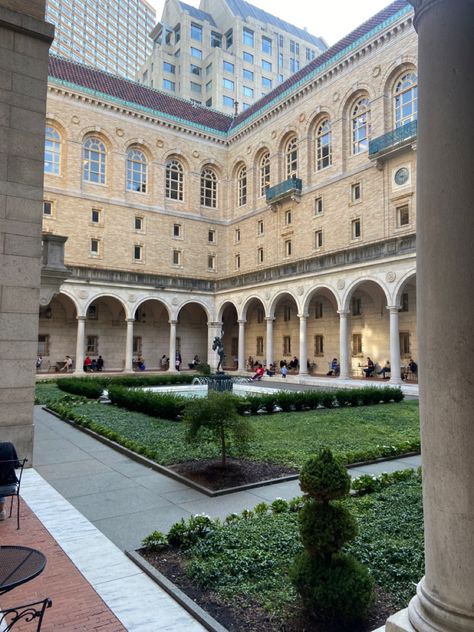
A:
[(330, 19)]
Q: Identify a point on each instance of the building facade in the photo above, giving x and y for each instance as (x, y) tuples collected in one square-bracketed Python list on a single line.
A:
[(226, 55), (111, 35), (291, 226)]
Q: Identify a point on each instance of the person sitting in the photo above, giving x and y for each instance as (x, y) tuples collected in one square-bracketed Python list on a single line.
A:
[(194, 363), (250, 363), (140, 363), (87, 364), (258, 373), (384, 370), (100, 363), (67, 366), (335, 368), (411, 369), (164, 362), (94, 365), (370, 368), (294, 364), (7, 472), (270, 370), (39, 362), (283, 363)]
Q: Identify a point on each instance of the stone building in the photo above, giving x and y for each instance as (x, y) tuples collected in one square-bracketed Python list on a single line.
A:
[(226, 54), (291, 226)]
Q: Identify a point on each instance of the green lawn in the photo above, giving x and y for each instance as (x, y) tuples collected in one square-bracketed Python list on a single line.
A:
[(284, 438)]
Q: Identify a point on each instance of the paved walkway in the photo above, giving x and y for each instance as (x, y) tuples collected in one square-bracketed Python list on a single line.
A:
[(96, 502)]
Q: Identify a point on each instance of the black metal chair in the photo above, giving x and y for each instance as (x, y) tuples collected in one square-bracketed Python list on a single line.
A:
[(11, 486), (27, 614)]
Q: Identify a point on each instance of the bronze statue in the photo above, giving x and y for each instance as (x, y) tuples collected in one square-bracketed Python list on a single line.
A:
[(218, 346)]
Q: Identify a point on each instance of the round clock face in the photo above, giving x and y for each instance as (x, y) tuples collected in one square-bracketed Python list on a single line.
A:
[(401, 175)]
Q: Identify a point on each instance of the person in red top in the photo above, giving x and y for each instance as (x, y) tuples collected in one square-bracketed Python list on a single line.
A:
[(258, 373), (87, 364)]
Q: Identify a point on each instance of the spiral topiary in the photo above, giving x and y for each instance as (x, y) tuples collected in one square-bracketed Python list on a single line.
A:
[(334, 587)]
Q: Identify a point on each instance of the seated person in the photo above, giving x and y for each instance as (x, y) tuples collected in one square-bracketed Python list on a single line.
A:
[(194, 363), (270, 370), (39, 362), (411, 369), (250, 363), (258, 373), (94, 365), (384, 370), (370, 368), (164, 362), (100, 363), (294, 364), (87, 364), (140, 363), (335, 368), (8, 479)]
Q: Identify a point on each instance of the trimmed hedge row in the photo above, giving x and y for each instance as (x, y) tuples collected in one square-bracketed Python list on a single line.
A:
[(169, 406), (92, 387)]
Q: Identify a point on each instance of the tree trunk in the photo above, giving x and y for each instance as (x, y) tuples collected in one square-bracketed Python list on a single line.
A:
[(223, 445)]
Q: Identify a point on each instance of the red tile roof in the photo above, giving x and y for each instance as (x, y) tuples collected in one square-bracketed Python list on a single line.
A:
[(161, 103)]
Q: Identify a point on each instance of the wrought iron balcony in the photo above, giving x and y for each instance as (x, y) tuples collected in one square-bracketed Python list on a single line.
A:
[(288, 188), (399, 136)]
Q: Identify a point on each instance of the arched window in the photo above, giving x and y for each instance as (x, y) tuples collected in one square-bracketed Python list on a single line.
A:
[(52, 151), (208, 188), (94, 160), (264, 173), (137, 170), (291, 158), (174, 180), (406, 99), (242, 186), (323, 145), (360, 124)]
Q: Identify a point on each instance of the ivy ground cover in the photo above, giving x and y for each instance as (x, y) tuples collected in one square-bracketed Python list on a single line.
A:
[(289, 439)]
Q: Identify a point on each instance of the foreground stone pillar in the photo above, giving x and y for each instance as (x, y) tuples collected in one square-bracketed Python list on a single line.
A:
[(129, 345), (80, 344), (395, 374), (172, 366), (343, 344), (269, 349), (303, 346), (241, 354), (445, 305), (24, 42)]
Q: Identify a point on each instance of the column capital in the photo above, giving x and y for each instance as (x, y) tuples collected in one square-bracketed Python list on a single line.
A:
[(173, 322), (129, 320), (343, 312), (81, 317), (302, 316), (241, 321), (214, 323), (393, 309), (269, 318)]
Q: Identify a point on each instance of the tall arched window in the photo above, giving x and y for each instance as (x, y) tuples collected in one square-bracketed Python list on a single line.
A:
[(52, 151), (323, 145), (242, 186), (208, 188), (406, 99), (264, 173), (360, 124), (94, 160), (174, 180), (137, 170), (291, 158)]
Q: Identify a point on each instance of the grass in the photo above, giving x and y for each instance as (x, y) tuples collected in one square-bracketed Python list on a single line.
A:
[(283, 438), (248, 558)]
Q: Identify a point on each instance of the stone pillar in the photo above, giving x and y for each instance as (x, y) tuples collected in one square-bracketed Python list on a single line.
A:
[(445, 310), (395, 375), (80, 344), (24, 43), (129, 346), (213, 329), (343, 344), (303, 345), (241, 355), (172, 366), (269, 349)]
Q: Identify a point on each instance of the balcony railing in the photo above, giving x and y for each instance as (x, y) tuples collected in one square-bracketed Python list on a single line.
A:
[(292, 186), (389, 141)]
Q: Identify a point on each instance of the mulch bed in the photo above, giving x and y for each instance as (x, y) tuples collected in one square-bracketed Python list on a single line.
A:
[(211, 474), (247, 616)]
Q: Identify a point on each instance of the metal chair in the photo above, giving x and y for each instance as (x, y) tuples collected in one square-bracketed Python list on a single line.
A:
[(12, 489), (26, 614)]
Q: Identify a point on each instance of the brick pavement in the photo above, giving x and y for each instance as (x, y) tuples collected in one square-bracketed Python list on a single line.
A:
[(76, 605)]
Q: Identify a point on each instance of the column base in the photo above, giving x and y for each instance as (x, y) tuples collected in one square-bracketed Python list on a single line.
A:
[(429, 614), (395, 380), (399, 622)]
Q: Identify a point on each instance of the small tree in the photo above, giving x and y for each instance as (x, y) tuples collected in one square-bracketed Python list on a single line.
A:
[(217, 414), (334, 586)]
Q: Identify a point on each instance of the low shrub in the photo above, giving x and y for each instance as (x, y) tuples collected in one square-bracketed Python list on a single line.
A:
[(156, 541), (85, 386), (185, 533), (367, 484), (163, 405)]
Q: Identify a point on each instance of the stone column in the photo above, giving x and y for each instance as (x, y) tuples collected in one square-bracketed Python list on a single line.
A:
[(303, 345), (269, 349), (129, 346), (80, 344), (445, 310), (241, 354), (213, 329), (343, 344), (395, 375), (172, 366)]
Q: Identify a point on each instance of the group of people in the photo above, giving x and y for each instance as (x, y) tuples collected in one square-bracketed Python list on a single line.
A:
[(93, 365), (370, 369)]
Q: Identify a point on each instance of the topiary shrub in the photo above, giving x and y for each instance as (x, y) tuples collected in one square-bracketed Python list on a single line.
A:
[(335, 588)]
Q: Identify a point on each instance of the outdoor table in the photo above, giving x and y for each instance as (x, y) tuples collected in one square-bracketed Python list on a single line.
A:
[(18, 565)]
